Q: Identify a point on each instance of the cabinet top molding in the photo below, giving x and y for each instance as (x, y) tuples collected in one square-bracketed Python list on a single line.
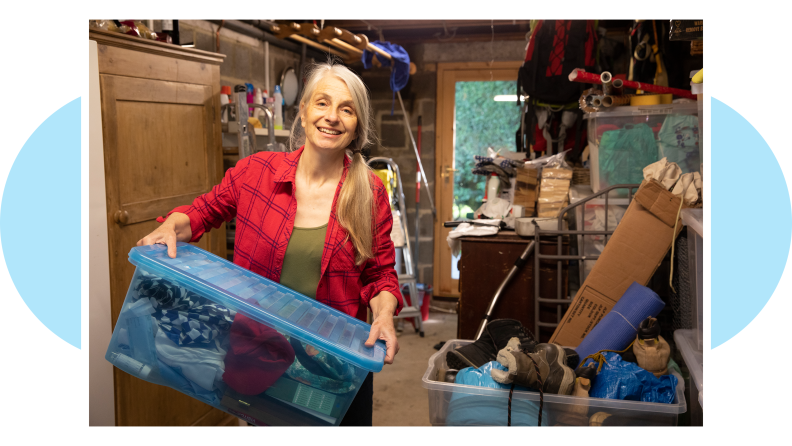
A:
[(151, 46)]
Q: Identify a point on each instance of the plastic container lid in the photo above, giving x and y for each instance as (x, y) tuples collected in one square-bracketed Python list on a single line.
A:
[(694, 359), (694, 219), (279, 307), (225, 89), (685, 108)]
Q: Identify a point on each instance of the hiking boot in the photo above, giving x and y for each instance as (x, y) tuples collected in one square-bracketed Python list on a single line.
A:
[(495, 337), (650, 349), (572, 358), (555, 376), (577, 414)]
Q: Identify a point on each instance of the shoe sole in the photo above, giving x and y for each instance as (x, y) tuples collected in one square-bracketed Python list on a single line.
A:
[(458, 361), (562, 378)]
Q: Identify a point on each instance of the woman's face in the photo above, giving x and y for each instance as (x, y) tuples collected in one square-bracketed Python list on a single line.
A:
[(329, 116)]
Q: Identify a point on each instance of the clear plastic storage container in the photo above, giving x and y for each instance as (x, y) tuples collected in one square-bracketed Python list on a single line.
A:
[(624, 140), (239, 342), (694, 220), (448, 400)]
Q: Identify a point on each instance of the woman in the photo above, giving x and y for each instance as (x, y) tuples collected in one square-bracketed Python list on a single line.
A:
[(317, 219)]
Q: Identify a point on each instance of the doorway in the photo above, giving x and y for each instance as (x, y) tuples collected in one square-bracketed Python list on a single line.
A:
[(476, 109)]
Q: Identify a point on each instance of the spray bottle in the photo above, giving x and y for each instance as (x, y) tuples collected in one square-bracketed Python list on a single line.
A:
[(278, 108)]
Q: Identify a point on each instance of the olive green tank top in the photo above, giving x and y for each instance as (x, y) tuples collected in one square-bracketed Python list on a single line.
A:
[(302, 264)]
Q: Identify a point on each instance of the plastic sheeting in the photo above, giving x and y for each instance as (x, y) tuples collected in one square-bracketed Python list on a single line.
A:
[(623, 380)]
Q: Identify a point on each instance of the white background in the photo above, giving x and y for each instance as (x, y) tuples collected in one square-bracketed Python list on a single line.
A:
[(45, 380)]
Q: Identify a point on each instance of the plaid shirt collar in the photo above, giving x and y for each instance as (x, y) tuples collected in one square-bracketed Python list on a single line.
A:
[(288, 168)]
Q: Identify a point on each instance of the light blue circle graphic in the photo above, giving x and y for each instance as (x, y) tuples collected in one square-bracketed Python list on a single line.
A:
[(751, 223), (40, 223)]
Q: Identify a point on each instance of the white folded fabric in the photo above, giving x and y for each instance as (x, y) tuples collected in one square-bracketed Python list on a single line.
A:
[(466, 229), (664, 172), (688, 187)]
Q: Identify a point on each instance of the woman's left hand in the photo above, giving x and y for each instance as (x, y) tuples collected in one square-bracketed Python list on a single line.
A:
[(383, 305)]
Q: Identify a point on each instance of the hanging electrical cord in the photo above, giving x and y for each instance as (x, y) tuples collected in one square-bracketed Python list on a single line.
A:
[(222, 23)]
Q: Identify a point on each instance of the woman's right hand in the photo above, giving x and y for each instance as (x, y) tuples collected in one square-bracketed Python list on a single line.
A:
[(175, 229)]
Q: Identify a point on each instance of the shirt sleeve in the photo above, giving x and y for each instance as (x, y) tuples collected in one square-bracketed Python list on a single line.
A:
[(378, 273), (213, 208)]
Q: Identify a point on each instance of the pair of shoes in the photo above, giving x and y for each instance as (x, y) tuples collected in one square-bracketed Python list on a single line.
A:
[(544, 368), (495, 337), (650, 349)]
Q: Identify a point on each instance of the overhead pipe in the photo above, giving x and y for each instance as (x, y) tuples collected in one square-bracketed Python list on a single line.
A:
[(578, 75)]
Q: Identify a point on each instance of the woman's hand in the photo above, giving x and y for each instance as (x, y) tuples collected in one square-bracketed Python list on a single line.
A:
[(175, 229), (383, 305)]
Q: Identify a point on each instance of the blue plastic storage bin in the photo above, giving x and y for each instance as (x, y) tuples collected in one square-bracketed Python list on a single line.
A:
[(239, 342)]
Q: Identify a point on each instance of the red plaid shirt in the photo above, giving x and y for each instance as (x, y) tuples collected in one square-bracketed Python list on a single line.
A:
[(259, 192)]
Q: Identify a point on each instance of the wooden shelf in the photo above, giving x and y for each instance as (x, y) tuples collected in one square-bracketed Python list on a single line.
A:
[(233, 128)]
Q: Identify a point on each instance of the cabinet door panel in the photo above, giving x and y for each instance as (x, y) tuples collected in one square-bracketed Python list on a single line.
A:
[(160, 152)]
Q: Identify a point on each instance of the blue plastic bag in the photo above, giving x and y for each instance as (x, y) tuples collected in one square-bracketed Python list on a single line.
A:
[(482, 377), (622, 380), (466, 409)]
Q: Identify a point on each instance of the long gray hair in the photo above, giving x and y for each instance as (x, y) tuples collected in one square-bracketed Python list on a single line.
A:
[(355, 206)]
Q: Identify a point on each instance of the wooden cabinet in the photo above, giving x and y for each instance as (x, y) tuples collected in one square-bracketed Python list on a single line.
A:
[(484, 264), (162, 148)]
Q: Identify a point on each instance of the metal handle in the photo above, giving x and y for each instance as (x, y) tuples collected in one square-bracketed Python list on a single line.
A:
[(121, 217), (447, 172)]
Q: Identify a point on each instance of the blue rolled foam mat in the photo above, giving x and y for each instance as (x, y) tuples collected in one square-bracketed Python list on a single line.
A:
[(620, 326)]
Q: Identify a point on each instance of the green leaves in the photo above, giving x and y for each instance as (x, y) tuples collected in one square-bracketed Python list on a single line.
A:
[(480, 122)]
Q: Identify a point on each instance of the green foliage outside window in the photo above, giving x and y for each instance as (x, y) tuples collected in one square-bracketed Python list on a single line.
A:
[(480, 122)]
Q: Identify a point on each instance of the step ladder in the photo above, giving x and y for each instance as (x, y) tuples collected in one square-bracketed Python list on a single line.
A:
[(409, 277)]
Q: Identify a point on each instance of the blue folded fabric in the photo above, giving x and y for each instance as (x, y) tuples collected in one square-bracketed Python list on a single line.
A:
[(620, 326)]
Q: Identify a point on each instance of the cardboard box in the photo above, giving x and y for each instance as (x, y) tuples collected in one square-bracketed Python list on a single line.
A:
[(633, 253), (525, 189)]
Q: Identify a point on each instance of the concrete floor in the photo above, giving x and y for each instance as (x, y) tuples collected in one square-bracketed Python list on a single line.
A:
[(399, 397)]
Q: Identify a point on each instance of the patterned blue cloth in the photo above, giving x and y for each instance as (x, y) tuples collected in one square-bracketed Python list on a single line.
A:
[(185, 317)]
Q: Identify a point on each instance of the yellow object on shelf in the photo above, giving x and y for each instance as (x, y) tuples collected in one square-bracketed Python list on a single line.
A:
[(255, 123), (651, 99), (698, 78)]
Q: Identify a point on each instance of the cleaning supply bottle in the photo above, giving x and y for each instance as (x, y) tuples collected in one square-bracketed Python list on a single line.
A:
[(225, 93), (251, 93), (278, 108), (257, 100)]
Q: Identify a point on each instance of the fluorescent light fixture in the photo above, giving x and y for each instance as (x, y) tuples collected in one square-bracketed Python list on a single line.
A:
[(507, 98)]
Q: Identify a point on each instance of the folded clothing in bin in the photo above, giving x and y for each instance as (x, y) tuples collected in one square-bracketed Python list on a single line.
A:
[(238, 341)]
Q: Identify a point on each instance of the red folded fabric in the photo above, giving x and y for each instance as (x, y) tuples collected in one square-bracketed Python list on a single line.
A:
[(257, 357)]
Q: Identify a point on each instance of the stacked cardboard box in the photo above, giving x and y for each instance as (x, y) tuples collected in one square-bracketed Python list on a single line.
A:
[(525, 189), (553, 191)]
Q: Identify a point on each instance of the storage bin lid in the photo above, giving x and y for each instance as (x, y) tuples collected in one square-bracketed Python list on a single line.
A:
[(279, 307), (694, 219), (681, 108)]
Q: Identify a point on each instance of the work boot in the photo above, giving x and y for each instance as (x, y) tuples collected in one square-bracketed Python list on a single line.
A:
[(554, 374), (577, 414), (495, 337), (650, 349), (572, 358)]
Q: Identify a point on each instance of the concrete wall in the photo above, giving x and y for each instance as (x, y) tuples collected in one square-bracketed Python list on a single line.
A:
[(245, 63)]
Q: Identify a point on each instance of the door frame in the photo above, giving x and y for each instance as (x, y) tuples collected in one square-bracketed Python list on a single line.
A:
[(447, 76)]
